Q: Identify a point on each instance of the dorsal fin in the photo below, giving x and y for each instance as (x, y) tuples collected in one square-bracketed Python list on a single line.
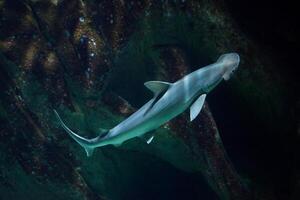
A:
[(157, 87), (103, 133)]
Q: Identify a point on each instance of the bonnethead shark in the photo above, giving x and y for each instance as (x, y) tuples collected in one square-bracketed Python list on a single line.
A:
[(169, 100)]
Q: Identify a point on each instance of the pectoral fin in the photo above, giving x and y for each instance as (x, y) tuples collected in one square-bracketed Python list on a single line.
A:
[(196, 107)]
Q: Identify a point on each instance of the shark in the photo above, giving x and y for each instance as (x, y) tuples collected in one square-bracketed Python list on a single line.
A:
[(169, 100)]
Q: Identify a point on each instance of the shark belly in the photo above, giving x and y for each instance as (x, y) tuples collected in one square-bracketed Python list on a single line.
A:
[(137, 124)]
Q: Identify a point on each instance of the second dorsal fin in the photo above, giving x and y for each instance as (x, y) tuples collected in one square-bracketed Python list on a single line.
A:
[(157, 87)]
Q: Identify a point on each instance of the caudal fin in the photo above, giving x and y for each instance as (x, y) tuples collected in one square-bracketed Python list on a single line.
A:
[(85, 143)]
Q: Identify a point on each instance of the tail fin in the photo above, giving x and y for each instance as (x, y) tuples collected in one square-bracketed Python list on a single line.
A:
[(85, 143)]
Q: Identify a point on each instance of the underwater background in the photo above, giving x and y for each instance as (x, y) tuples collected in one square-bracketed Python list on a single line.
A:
[(89, 59)]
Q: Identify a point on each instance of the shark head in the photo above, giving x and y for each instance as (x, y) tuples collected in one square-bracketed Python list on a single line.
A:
[(229, 62)]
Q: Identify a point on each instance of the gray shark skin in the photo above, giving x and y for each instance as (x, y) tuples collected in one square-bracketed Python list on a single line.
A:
[(170, 100)]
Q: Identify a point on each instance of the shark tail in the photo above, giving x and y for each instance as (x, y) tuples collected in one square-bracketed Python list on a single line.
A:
[(87, 144)]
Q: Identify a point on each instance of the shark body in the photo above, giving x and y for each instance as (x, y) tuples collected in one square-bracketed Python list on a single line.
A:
[(170, 100)]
